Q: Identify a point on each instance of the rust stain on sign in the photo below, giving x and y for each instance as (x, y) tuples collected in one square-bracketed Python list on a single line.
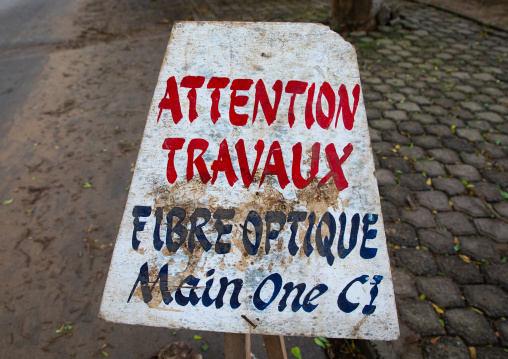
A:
[(253, 194)]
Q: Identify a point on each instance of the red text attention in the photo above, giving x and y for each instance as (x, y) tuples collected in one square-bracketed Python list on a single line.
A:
[(274, 164)]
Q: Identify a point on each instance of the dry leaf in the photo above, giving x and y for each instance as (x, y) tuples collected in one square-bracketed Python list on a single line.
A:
[(438, 309), (465, 258), (472, 351), (434, 340)]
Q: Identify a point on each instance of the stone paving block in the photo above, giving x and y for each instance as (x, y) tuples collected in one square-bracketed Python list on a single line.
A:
[(408, 107), (427, 142), (460, 271), (492, 150), (455, 95), (444, 155), (385, 177), (419, 218), (498, 139), (395, 96), (492, 91), (412, 127), (398, 195), (493, 228), (395, 82), (445, 102), (490, 116), (423, 118), (389, 212), (463, 114), (375, 135), (414, 181), (370, 95), (418, 261), (487, 191), (488, 298), (496, 274), (395, 137), (439, 130), (401, 234), (383, 149), (502, 328), (435, 110), (383, 124), (451, 121), (502, 209), (455, 222), (472, 106), (396, 115), (478, 248), (502, 100), (464, 172), (409, 91), (381, 105), (421, 317), (412, 152), (503, 128), (407, 346), (403, 284), (472, 327), (376, 160), (431, 168), (396, 164), (500, 109), (483, 126), (441, 291), (452, 186), (434, 200), (378, 349), (496, 177), (501, 163), (491, 353), (438, 241), (465, 89), (474, 159), (458, 144), (461, 75), (445, 348), (482, 98), (373, 114), (484, 77), (420, 100), (470, 205), (470, 134)]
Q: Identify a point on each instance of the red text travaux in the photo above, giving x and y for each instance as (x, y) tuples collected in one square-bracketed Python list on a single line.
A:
[(274, 164)]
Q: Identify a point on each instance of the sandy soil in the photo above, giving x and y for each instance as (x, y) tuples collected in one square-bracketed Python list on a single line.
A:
[(76, 89), (80, 122)]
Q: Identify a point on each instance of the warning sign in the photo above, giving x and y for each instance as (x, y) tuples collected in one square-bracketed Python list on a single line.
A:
[(254, 205)]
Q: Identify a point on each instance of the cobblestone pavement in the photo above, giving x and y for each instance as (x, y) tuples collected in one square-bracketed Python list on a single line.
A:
[(436, 92)]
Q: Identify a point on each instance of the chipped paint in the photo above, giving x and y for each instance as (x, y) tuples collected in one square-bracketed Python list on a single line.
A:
[(271, 53)]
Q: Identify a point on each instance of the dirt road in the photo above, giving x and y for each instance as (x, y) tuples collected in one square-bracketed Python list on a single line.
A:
[(76, 80)]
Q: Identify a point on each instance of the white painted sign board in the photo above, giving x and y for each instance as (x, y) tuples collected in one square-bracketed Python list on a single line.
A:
[(254, 205)]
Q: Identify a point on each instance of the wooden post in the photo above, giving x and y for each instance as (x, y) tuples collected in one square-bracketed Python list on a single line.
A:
[(353, 15), (236, 346), (275, 347)]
